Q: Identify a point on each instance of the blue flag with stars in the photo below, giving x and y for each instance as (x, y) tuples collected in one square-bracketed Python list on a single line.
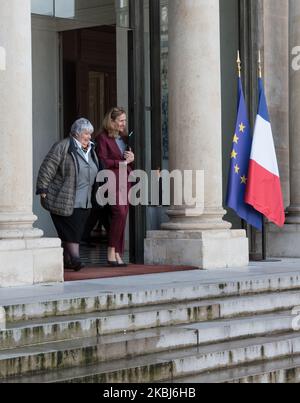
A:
[(240, 157)]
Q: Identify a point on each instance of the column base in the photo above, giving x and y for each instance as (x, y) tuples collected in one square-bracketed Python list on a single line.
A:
[(293, 215), (283, 242), (31, 261), (217, 249)]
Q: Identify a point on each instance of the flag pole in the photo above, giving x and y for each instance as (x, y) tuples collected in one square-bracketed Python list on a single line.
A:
[(241, 147), (239, 63), (264, 227), (264, 235), (259, 65), (239, 69), (264, 241)]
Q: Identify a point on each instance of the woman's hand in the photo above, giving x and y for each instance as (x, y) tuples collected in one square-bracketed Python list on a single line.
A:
[(43, 195), (129, 157)]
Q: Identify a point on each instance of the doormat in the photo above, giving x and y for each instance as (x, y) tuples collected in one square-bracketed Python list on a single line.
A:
[(94, 272)]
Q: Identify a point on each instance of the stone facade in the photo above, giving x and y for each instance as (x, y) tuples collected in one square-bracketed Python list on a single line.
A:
[(199, 236), (194, 235), (25, 256), (285, 242)]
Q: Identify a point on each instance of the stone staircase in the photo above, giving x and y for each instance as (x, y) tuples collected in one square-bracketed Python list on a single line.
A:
[(208, 332)]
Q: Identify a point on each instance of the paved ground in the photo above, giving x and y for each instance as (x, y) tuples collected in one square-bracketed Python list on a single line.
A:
[(149, 282)]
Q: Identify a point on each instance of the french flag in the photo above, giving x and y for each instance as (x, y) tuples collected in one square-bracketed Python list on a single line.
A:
[(263, 187)]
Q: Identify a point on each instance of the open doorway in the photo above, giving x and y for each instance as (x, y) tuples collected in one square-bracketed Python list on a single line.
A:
[(89, 89), (85, 59), (89, 74), (61, 89)]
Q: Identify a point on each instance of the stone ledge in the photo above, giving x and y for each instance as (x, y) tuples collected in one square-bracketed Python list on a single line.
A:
[(43, 243), (203, 249), (23, 266), (284, 242), (23, 244), (192, 234)]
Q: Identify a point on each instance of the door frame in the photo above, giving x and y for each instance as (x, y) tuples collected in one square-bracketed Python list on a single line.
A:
[(136, 114), (137, 106)]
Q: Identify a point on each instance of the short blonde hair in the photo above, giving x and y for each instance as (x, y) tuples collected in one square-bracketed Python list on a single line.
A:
[(109, 124)]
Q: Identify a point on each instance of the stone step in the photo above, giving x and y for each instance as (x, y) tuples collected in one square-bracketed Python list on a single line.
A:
[(88, 351), (129, 320), (279, 371), (245, 327), (257, 304), (26, 309), (80, 352), (287, 375), (91, 325), (141, 318), (176, 365)]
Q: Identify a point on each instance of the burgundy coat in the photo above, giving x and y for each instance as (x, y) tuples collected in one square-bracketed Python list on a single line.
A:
[(110, 156), (109, 153)]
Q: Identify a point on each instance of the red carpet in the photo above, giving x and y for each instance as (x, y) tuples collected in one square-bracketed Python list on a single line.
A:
[(92, 273)]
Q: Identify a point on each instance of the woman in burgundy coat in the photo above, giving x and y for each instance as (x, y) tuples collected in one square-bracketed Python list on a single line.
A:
[(113, 152)]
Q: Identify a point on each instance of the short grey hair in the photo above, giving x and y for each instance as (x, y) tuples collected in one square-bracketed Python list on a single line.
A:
[(80, 126)]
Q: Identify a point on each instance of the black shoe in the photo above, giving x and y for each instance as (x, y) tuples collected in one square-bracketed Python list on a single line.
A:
[(74, 264), (113, 264), (122, 265)]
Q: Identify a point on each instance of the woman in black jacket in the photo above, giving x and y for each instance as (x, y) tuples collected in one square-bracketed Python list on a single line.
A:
[(65, 184)]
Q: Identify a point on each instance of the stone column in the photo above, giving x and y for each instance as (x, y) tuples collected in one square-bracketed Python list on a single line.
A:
[(25, 257), (294, 209), (195, 127), (276, 40), (285, 242), (193, 235)]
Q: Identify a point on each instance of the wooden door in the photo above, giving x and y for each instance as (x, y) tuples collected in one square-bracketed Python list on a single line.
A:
[(89, 74)]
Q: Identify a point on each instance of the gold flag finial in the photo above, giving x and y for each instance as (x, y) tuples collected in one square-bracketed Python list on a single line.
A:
[(239, 63), (259, 65)]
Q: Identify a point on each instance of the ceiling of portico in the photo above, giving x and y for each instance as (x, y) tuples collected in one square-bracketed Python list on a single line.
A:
[(62, 15)]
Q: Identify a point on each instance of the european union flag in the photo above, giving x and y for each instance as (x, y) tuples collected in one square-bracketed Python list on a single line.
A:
[(240, 157)]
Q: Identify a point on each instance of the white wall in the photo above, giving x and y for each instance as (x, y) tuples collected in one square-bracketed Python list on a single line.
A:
[(45, 55), (45, 65), (229, 25)]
